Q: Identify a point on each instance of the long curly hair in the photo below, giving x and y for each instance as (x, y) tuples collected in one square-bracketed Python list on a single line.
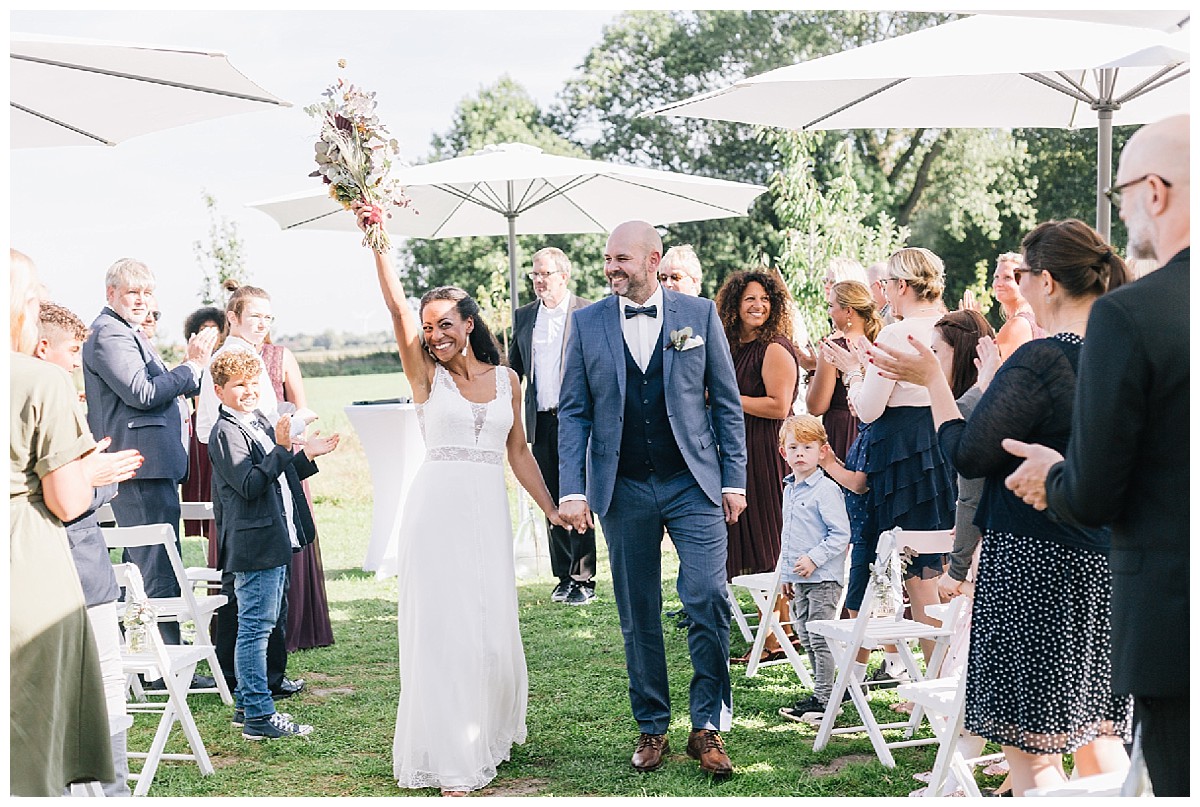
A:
[(729, 301), (483, 343)]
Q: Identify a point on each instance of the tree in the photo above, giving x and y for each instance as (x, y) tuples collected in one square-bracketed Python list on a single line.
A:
[(501, 112), (828, 220), (222, 258), (932, 180)]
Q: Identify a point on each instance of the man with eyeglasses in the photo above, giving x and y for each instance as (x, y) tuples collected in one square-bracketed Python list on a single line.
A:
[(153, 315), (133, 398), (540, 332), (1127, 461), (679, 270)]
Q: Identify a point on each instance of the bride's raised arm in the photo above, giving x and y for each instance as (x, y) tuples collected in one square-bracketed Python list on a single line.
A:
[(418, 364)]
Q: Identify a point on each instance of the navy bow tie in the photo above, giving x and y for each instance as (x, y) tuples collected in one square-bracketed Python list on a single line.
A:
[(632, 311)]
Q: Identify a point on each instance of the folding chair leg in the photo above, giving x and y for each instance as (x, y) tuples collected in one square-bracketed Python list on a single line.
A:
[(183, 713), (738, 615)]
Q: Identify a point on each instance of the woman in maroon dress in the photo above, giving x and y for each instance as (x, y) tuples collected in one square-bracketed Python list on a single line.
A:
[(755, 309), (308, 608), (198, 485), (853, 312)]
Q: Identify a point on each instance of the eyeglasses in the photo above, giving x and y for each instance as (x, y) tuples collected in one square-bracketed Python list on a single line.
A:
[(1023, 270), (883, 281), (540, 275), (663, 277), (157, 315), (1114, 193)]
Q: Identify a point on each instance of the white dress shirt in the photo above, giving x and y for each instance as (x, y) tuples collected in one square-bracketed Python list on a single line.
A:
[(642, 332), (548, 330)]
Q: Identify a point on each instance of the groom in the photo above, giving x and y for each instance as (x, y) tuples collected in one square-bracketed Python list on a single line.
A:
[(650, 408)]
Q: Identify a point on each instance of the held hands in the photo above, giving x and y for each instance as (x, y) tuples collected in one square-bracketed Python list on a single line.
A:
[(988, 362), (804, 566), (576, 514), (553, 516), (1029, 480), (733, 504), (919, 368), (105, 469), (200, 346)]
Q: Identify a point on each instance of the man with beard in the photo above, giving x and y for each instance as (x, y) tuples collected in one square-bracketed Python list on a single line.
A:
[(643, 369), (1127, 461)]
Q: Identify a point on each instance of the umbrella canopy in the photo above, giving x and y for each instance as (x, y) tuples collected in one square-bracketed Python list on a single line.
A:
[(514, 188), (979, 72), (78, 92)]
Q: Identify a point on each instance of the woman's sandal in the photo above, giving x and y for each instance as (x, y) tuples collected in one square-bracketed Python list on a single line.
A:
[(767, 655)]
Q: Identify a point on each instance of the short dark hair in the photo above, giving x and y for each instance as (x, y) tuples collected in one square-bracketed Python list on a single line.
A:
[(195, 320)]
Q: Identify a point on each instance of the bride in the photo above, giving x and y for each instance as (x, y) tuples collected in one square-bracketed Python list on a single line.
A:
[(462, 700)]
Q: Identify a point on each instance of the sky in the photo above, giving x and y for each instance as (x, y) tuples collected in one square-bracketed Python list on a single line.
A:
[(75, 211)]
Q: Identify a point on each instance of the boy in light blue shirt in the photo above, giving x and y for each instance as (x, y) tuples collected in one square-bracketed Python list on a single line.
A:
[(816, 531)]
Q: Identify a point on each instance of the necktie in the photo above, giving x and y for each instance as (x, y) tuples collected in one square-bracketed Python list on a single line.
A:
[(632, 311)]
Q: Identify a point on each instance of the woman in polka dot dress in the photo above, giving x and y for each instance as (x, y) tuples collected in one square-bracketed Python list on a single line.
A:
[(1039, 679)]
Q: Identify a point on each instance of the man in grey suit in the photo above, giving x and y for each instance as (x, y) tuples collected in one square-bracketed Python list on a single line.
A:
[(133, 398), (1127, 462), (637, 446), (540, 331)]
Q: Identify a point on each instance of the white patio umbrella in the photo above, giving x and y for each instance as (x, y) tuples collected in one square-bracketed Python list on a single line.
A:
[(513, 188), (979, 72), (78, 92)]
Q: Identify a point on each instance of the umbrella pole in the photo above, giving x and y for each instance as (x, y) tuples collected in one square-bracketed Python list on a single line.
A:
[(512, 264), (1104, 159), (513, 281)]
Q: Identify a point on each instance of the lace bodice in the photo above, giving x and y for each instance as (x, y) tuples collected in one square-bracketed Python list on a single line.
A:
[(457, 430)]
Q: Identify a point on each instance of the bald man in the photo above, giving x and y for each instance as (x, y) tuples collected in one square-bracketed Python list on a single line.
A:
[(637, 446), (1127, 461)]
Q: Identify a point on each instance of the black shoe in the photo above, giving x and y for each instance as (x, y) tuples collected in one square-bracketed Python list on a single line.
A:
[(239, 717), (203, 682), (581, 593), (157, 685), (287, 688), (561, 591), (885, 679), (684, 621)]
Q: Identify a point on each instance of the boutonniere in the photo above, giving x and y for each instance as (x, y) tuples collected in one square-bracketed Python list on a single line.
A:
[(684, 340)]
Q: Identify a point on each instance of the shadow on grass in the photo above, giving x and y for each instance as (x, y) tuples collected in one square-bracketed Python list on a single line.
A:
[(347, 574)]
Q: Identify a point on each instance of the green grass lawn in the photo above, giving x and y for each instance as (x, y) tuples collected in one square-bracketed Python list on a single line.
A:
[(581, 732)]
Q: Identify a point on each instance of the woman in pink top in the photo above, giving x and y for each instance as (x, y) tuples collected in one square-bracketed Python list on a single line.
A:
[(1019, 325)]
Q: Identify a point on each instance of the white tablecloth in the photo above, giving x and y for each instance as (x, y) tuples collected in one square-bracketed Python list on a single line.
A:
[(395, 449)]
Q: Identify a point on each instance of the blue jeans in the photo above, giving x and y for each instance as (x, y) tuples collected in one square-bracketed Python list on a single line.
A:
[(633, 528), (259, 594)]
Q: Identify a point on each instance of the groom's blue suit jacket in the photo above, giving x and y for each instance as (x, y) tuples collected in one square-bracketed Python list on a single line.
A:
[(702, 398)]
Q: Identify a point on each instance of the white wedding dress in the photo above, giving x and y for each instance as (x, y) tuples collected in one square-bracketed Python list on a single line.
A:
[(463, 682)]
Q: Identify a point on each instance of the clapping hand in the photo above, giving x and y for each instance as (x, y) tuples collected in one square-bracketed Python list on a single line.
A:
[(919, 368), (968, 302), (319, 444), (200, 347), (839, 357), (106, 469), (1029, 480), (807, 356), (283, 431), (988, 362)]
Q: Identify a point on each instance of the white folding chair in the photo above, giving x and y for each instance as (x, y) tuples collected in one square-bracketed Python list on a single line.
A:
[(175, 665), (764, 589), (204, 579), (187, 606), (867, 631)]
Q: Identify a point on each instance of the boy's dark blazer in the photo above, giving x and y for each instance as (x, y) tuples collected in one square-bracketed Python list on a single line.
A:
[(247, 497)]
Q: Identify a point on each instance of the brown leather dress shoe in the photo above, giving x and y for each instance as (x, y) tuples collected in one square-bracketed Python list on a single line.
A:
[(651, 748), (707, 746)]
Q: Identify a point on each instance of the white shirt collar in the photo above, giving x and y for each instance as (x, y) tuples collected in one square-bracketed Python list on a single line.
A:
[(655, 299), (563, 305)]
